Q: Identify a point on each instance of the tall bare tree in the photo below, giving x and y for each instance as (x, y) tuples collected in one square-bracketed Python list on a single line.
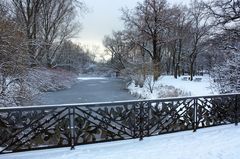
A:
[(119, 48), (27, 12), (180, 31), (57, 23), (150, 21), (199, 32), (47, 22), (13, 59), (225, 16)]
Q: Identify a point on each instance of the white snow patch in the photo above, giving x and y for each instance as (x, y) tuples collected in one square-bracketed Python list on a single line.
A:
[(200, 88), (92, 78), (221, 142), (168, 86)]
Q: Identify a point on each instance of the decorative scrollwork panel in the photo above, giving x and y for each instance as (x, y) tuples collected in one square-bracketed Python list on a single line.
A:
[(95, 124), (171, 116), (214, 111), (142, 119), (32, 129)]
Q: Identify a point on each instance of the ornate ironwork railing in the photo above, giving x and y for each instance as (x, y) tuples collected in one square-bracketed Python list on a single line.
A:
[(38, 127)]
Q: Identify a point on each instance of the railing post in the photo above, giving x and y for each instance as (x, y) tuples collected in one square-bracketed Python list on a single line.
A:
[(236, 110), (135, 122), (72, 126), (141, 122), (148, 118), (195, 115)]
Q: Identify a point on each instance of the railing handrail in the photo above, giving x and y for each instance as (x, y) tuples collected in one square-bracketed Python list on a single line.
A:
[(113, 103)]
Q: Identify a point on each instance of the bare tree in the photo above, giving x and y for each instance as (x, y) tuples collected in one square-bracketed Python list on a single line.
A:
[(73, 57), (225, 16), (225, 12), (149, 23), (27, 12), (119, 48), (199, 32), (57, 23), (13, 60), (47, 23), (180, 31)]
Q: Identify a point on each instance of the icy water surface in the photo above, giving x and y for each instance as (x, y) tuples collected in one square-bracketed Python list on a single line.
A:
[(89, 90)]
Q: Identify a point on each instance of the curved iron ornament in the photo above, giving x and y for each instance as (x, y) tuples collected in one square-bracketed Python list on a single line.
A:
[(29, 128)]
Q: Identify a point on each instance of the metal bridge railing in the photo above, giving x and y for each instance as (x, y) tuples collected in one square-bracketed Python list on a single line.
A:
[(39, 127)]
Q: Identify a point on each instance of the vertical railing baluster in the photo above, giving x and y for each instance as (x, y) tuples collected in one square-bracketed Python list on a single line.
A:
[(141, 121), (195, 104), (236, 110), (149, 118), (69, 126), (72, 126), (135, 121)]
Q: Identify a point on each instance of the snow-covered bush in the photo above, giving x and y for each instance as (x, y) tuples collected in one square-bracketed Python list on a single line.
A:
[(227, 75), (154, 89), (44, 79), (22, 90)]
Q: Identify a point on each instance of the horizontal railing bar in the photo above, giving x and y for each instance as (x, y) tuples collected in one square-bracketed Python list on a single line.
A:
[(111, 103)]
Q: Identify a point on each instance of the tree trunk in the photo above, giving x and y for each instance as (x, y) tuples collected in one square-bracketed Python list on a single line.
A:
[(178, 69), (156, 59), (48, 56), (193, 57), (156, 69), (174, 63), (191, 71)]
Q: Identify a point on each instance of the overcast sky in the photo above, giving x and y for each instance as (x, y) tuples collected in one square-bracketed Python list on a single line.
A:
[(103, 17)]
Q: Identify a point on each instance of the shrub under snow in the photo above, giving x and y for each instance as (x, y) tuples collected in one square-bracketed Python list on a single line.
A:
[(34, 82), (168, 86)]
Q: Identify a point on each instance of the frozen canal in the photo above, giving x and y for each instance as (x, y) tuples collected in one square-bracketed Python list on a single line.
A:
[(89, 90)]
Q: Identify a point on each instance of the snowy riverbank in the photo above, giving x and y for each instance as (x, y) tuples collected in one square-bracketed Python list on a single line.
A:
[(168, 86)]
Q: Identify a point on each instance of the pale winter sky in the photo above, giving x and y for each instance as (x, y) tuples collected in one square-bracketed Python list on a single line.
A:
[(104, 17)]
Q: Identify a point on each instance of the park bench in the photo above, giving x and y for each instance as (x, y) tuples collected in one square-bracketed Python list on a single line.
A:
[(197, 79)]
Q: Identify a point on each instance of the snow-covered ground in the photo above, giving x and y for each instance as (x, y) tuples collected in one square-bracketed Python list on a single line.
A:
[(221, 142), (92, 78), (168, 86), (34, 82)]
